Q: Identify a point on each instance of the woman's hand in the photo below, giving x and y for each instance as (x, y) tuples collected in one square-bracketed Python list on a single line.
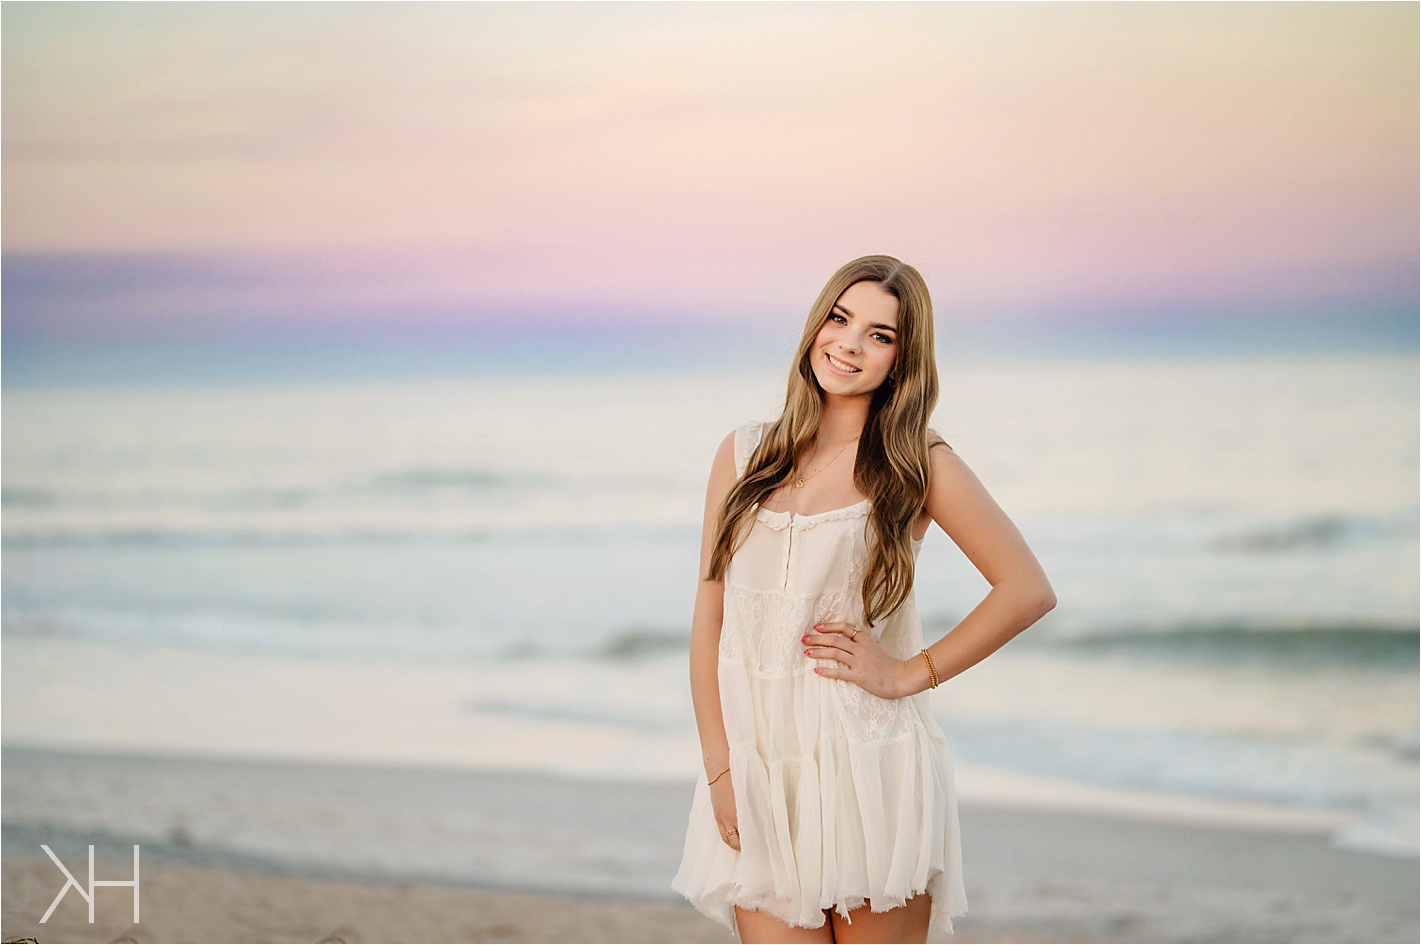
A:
[(722, 794), (861, 659)]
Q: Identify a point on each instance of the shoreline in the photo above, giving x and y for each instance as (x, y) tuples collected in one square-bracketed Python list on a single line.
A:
[(373, 853), (977, 786), (175, 703)]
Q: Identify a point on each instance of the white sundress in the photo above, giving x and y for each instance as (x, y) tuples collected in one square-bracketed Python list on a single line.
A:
[(842, 797)]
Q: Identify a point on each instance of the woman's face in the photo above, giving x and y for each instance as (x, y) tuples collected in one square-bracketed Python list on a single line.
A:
[(856, 345)]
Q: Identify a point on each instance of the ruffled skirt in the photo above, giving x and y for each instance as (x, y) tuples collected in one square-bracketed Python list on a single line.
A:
[(829, 819)]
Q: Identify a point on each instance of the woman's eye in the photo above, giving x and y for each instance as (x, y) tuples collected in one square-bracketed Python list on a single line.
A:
[(883, 338), (836, 317)]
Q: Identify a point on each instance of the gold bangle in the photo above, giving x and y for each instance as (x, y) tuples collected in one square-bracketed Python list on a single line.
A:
[(716, 778), (932, 672)]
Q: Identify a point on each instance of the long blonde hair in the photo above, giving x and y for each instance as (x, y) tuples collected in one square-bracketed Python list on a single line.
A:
[(892, 465)]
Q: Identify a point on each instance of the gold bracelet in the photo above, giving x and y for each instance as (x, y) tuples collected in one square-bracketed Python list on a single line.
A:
[(932, 672), (716, 778)]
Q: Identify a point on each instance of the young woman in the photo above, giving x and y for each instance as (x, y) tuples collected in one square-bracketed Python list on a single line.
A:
[(828, 813)]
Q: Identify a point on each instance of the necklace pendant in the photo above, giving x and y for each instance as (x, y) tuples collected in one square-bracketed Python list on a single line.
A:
[(800, 483)]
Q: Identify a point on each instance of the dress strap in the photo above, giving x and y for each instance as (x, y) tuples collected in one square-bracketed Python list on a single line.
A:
[(747, 438)]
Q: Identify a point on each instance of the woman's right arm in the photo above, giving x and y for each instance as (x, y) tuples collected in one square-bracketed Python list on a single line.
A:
[(705, 651)]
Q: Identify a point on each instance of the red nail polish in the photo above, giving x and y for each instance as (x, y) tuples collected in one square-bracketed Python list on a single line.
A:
[(816, 669), (806, 652), (818, 626)]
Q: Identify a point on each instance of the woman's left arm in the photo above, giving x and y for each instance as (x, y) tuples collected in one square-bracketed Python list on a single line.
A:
[(1020, 594)]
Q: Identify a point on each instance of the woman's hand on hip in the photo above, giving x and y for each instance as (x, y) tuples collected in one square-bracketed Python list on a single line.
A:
[(859, 658), (722, 794)]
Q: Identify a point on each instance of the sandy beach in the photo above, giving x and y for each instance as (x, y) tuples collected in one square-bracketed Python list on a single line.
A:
[(1033, 875)]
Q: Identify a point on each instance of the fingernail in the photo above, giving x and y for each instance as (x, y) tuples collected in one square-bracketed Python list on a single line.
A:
[(816, 669), (804, 639), (818, 626), (806, 652)]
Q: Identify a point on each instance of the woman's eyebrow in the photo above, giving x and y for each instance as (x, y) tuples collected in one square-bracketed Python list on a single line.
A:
[(840, 307)]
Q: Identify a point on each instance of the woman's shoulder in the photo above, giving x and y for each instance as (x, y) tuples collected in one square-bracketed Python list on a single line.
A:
[(737, 446), (745, 439), (944, 462), (748, 434), (936, 440)]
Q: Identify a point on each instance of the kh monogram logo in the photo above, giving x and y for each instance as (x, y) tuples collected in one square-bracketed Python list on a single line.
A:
[(89, 894)]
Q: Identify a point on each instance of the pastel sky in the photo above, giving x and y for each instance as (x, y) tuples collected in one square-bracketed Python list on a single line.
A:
[(184, 168)]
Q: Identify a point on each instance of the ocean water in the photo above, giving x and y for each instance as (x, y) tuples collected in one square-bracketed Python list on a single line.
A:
[(1234, 544)]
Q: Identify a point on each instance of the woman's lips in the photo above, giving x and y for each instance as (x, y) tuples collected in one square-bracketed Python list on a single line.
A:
[(840, 367)]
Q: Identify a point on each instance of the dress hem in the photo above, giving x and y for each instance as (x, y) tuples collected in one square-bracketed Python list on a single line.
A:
[(940, 919)]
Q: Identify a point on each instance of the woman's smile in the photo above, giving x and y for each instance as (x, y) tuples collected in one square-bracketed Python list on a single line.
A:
[(857, 342)]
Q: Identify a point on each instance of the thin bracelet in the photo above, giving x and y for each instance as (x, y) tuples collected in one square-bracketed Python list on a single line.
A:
[(716, 778), (932, 672)]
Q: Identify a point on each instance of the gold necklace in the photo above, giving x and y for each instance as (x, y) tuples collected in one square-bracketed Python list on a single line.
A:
[(799, 483)]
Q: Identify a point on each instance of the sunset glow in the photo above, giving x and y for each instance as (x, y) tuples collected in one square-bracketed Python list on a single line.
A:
[(193, 167)]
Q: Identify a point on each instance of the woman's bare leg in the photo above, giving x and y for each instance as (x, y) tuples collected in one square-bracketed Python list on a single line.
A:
[(907, 923), (756, 926)]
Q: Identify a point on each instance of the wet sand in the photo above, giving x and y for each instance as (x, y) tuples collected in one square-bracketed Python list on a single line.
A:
[(1032, 875)]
